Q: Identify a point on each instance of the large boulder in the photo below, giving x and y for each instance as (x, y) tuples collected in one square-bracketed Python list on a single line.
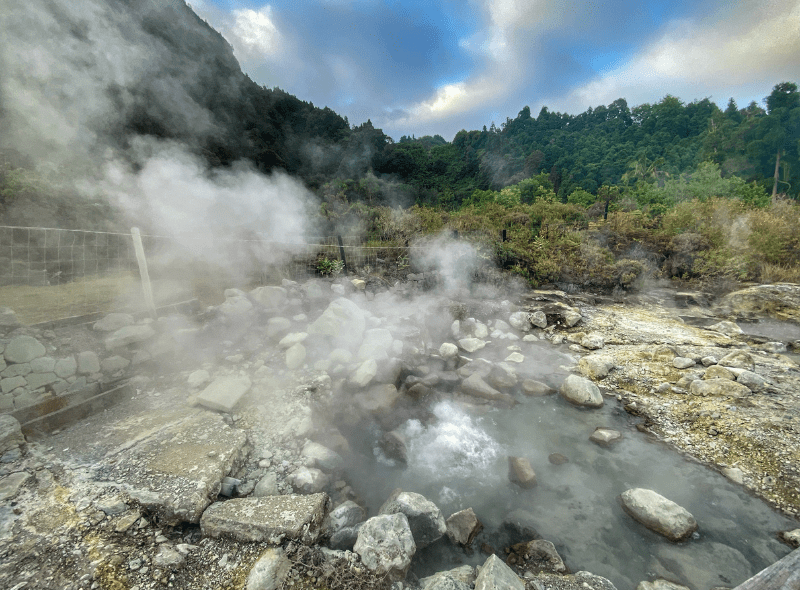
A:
[(343, 321), (321, 456), (386, 545), (536, 556), (581, 392), (659, 514), (496, 575), (596, 366), (269, 297), (424, 518), (113, 322)]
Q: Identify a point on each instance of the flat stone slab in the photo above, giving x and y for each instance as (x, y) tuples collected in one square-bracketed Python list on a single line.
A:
[(270, 519), (224, 393), (658, 514), (177, 471)]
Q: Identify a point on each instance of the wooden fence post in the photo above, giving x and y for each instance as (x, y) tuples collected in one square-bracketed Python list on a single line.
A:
[(341, 253), (147, 288)]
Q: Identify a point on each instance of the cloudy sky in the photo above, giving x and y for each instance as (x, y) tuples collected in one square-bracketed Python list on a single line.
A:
[(437, 66)]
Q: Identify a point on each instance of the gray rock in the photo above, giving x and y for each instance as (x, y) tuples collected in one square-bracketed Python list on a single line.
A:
[(8, 319), (129, 335), (198, 378), (292, 338), (18, 370), (270, 571), (751, 380), (295, 356), (393, 445), (738, 359), (378, 399), (596, 366), (168, 558), (462, 527), (309, 480), (386, 545), (660, 584), (520, 320), (269, 297), (271, 519), (605, 436), (11, 484), (471, 344), (503, 376), (322, 457), (12, 383), (581, 392), (224, 393), (424, 518), (709, 360), (659, 514), (681, 362), (278, 327), (791, 538), (10, 433), (727, 328), (345, 538), (539, 319), (66, 367), (44, 364), (376, 345), (448, 350), (38, 380), (344, 321), (113, 322), (236, 304), (520, 472), (718, 387), (113, 364), (701, 567), (88, 363), (347, 514), (267, 486), (718, 372), (475, 385), (464, 574), (23, 349), (593, 341), (537, 556), (496, 575), (571, 318), (536, 388), (363, 375)]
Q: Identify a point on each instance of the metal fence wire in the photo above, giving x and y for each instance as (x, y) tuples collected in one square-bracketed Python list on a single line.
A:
[(49, 274)]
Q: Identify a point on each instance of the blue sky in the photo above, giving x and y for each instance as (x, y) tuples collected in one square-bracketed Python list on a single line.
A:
[(438, 66)]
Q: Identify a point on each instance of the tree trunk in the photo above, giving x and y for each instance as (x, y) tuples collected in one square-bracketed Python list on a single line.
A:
[(777, 168)]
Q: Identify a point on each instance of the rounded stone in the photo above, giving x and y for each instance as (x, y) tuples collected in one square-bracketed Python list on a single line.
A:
[(23, 349)]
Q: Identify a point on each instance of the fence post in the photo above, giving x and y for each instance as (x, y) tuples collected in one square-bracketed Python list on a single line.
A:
[(503, 236), (341, 253), (147, 288)]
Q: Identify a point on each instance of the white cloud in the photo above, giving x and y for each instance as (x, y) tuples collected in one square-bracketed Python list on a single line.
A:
[(750, 47), (511, 26), (255, 31)]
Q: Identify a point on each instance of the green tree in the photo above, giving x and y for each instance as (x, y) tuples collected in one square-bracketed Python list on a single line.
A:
[(781, 127)]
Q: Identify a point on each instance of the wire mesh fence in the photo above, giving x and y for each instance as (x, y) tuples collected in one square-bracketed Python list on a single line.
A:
[(48, 274)]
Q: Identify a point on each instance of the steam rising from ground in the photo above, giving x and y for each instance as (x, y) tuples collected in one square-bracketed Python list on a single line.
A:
[(455, 261)]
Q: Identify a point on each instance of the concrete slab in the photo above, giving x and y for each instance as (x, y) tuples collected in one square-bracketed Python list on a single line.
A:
[(177, 471), (224, 393), (270, 519)]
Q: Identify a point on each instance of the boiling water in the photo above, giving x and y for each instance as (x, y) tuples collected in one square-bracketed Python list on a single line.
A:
[(459, 460)]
